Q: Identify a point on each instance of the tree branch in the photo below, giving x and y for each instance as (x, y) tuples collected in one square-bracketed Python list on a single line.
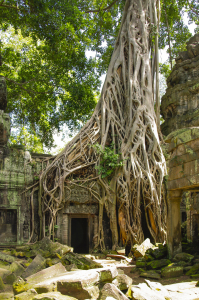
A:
[(8, 6), (193, 9), (104, 9)]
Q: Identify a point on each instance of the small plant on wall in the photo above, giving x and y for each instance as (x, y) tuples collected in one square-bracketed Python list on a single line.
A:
[(109, 160)]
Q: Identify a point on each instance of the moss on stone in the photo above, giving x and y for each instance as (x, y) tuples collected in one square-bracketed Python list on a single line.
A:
[(2, 286)]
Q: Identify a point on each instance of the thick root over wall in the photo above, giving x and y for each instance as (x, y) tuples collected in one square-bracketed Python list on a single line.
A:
[(124, 117)]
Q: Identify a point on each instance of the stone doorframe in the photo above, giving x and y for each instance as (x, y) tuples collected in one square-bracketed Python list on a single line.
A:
[(66, 231), (174, 220)]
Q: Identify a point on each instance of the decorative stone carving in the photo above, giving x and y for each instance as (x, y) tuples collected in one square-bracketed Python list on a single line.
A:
[(180, 104)]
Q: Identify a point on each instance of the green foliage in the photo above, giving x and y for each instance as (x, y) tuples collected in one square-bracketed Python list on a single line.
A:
[(31, 142), (192, 8), (173, 32), (165, 70), (51, 81), (109, 160)]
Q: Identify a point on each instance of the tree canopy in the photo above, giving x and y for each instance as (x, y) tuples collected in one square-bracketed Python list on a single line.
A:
[(44, 44), (50, 79)]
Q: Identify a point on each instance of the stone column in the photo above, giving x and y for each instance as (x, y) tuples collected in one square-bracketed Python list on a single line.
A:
[(174, 223), (65, 229)]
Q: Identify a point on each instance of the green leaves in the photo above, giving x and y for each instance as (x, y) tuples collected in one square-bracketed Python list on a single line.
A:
[(109, 160), (51, 82)]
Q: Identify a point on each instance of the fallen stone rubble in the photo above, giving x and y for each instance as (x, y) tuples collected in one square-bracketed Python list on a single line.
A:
[(152, 262), (51, 271)]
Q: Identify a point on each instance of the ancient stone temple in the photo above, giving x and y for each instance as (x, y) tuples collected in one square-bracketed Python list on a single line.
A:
[(105, 189), (180, 109), (18, 170)]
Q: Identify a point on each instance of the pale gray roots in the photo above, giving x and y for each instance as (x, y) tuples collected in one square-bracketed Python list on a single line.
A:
[(125, 116)]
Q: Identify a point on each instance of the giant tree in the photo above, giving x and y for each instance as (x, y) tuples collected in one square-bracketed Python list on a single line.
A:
[(119, 148)]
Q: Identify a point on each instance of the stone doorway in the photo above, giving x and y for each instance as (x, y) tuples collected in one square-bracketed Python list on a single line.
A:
[(8, 225), (80, 235)]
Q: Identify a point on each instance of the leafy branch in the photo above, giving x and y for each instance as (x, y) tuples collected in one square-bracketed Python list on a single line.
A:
[(109, 160), (104, 9)]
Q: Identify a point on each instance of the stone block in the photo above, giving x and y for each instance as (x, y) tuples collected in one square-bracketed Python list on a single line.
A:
[(140, 264), (193, 270), (1, 284), (172, 271), (140, 250), (6, 257), (107, 274), (36, 265), (10, 279), (183, 257), (28, 295), (157, 264), (6, 296), (16, 268), (122, 281), (110, 290), (48, 273), (159, 253), (150, 274), (4, 272), (53, 296)]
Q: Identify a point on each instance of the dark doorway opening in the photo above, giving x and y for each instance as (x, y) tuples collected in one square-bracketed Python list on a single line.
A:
[(79, 235), (145, 228), (8, 225)]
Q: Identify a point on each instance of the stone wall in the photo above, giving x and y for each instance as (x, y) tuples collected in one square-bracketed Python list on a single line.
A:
[(18, 170), (180, 110), (180, 104)]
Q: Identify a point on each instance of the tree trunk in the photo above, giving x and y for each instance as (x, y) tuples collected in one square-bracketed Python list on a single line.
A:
[(125, 116)]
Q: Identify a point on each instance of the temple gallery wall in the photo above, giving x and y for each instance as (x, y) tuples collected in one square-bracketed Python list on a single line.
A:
[(77, 220)]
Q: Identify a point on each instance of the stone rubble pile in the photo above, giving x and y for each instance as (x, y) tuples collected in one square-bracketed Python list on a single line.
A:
[(50, 271), (152, 262)]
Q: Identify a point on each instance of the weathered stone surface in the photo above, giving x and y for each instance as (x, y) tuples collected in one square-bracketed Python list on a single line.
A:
[(172, 271), (6, 257), (140, 264), (108, 274), (148, 257), (179, 106), (16, 268), (140, 250), (193, 270), (71, 267), (110, 290), (48, 246), (10, 279), (4, 265), (52, 296), (36, 265), (143, 292), (40, 277), (6, 296), (122, 281), (159, 253), (80, 284), (150, 274), (157, 264), (183, 257), (4, 272), (26, 295), (56, 270), (80, 261), (158, 287), (1, 284), (20, 286)]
